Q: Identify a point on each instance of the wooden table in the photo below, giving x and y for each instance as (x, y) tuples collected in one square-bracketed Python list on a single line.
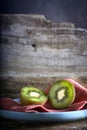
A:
[(38, 52), (20, 125)]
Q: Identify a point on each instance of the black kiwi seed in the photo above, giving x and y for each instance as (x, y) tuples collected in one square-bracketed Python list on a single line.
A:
[(61, 94)]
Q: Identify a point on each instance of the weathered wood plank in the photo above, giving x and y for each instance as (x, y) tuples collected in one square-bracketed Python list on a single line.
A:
[(35, 51), (20, 125), (33, 47), (44, 51)]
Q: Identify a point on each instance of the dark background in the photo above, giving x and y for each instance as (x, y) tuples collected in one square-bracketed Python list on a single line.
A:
[(56, 10)]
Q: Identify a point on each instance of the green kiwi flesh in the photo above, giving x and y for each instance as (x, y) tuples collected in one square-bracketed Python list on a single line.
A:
[(32, 95), (61, 94)]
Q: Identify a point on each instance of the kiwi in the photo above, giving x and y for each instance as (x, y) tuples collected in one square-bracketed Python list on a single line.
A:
[(32, 95), (61, 94)]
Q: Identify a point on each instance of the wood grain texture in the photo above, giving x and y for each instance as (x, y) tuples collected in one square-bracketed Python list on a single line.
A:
[(21, 125), (35, 51), (32, 48)]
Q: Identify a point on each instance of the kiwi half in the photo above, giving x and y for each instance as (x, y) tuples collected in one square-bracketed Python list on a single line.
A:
[(32, 95), (61, 94)]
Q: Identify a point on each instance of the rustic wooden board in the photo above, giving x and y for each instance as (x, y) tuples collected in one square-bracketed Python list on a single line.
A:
[(36, 51), (33, 47), (20, 125)]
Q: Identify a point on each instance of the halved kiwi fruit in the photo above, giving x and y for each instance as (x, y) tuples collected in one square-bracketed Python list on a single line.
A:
[(61, 94), (32, 95)]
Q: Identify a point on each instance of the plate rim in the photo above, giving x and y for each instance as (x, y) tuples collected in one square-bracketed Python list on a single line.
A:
[(51, 116)]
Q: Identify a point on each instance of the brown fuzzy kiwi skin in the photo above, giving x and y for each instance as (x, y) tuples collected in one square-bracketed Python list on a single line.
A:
[(70, 95)]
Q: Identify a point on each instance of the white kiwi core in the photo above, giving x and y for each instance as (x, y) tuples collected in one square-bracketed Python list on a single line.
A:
[(34, 94), (61, 94)]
